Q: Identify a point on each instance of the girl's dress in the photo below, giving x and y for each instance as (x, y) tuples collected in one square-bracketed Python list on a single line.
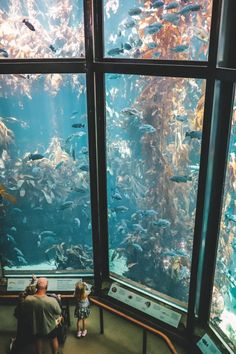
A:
[(82, 309)]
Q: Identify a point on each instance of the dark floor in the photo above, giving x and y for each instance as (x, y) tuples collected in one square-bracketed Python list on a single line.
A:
[(119, 336)]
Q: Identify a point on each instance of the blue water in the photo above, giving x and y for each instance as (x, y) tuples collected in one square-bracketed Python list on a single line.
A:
[(49, 225)]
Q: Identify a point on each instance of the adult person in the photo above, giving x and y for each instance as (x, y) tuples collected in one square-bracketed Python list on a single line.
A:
[(42, 313)]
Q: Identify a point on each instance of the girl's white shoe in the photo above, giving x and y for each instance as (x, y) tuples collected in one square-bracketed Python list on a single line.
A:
[(84, 333), (79, 333)]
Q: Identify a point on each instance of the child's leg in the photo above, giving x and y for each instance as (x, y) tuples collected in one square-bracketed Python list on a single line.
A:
[(83, 324), (78, 325)]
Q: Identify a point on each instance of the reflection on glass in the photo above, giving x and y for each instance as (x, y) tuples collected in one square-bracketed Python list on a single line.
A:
[(44, 173), (167, 29), (153, 148), (41, 29), (224, 292)]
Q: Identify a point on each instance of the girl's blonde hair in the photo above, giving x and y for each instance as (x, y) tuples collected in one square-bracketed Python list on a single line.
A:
[(80, 290)]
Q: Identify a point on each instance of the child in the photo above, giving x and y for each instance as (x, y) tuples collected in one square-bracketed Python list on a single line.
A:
[(82, 309)]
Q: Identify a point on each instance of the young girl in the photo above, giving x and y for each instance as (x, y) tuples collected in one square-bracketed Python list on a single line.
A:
[(82, 309)]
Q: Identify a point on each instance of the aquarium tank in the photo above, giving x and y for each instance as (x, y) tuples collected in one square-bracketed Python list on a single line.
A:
[(44, 173), (109, 113), (154, 129)]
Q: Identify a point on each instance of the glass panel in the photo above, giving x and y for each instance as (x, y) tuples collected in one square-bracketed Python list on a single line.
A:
[(223, 305), (44, 173), (170, 30), (41, 29), (154, 128)]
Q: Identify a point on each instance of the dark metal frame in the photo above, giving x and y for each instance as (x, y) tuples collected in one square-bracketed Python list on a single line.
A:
[(215, 136)]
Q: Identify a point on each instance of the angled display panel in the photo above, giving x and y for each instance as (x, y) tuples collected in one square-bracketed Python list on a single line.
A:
[(44, 174), (223, 305), (41, 29), (167, 30), (154, 128)]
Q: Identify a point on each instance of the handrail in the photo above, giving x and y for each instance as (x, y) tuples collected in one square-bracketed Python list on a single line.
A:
[(131, 319)]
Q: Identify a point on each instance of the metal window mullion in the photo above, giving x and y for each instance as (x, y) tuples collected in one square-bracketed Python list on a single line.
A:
[(98, 29), (91, 111), (102, 185), (216, 176), (204, 159)]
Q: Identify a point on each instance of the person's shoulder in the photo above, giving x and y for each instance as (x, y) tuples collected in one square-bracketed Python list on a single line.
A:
[(29, 298)]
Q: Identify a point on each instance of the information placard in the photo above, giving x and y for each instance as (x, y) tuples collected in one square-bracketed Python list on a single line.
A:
[(206, 345), (145, 305), (17, 284), (54, 284)]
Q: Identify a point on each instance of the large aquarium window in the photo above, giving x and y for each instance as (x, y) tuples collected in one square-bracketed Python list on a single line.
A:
[(41, 29), (44, 173), (167, 30), (153, 139), (223, 314)]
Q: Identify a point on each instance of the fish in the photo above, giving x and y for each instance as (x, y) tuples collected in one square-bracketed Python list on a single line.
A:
[(79, 190), (152, 45), (194, 134), (53, 49), (147, 213), (34, 157), (171, 17), (10, 239), (116, 194), (127, 23), (47, 233), (135, 11), (130, 112), (157, 4), (6, 195), (58, 165), (22, 260), (77, 222), (66, 205), (78, 125), (180, 48), (115, 51), (195, 167), (3, 53), (84, 150), (73, 154), (163, 223), (146, 128), (153, 28), (46, 242), (127, 46), (84, 167), (172, 5), (181, 118), (121, 209), (137, 247), (131, 265), (29, 25), (188, 8), (139, 228), (180, 179), (230, 217), (18, 252)]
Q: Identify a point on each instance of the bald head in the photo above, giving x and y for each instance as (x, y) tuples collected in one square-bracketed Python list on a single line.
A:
[(42, 284)]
